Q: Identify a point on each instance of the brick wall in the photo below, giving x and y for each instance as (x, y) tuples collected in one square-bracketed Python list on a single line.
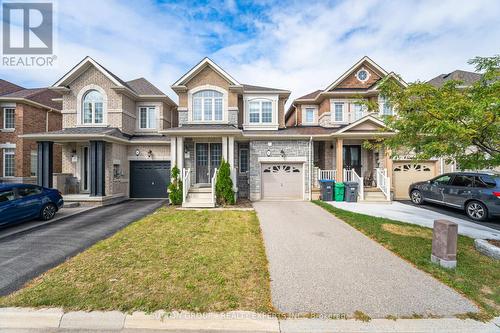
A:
[(30, 119)]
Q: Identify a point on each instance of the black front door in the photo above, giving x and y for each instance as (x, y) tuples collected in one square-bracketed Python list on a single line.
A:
[(208, 158), (352, 158)]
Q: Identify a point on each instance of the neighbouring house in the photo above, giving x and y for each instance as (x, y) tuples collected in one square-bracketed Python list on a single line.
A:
[(111, 140), (467, 78), (339, 125), (24, 111)]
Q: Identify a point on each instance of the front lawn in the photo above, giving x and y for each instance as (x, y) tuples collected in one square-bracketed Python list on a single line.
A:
[(170, 260), (476, 275)]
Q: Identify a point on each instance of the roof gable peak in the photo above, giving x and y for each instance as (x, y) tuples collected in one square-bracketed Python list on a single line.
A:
[(199, 67)]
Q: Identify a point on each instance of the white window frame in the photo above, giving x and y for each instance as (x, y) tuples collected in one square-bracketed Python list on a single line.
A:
[(260, 112), (305, 108), (248, 160), (367, 75), (344, 103), (33, 166), (5, 118), (363, 110), (260, 98), (11, 151), (80, 110), (224, 105), (148, 108), (382, 101)]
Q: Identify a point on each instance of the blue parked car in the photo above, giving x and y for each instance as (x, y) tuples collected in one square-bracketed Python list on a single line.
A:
[(23, 202)]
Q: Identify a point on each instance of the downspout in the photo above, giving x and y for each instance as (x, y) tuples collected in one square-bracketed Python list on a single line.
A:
[(310, 168)]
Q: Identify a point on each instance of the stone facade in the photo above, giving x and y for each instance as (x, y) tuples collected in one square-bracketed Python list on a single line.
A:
[(183, 117), (292, 148)]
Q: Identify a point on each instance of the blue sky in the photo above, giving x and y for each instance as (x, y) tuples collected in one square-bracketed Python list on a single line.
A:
[(296, 45)]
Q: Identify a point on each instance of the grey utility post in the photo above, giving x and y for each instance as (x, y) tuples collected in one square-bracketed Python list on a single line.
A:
[(44, 167), (444, 243)]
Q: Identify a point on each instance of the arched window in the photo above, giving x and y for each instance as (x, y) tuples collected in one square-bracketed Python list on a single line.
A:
[(207, 105), (93, 107)]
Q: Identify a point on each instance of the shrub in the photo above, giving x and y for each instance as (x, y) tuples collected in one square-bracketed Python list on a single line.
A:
[(224, 185), (175, 187)]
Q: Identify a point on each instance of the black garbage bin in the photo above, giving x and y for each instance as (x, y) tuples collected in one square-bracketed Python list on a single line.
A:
[(351, 191), (326, 189)]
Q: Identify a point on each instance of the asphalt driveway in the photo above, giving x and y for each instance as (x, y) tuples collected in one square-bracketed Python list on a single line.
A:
[(319, 264), (28, 254), (421, 215)]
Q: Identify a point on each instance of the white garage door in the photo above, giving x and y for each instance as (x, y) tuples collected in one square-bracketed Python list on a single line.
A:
[(406, 173), (282, 181)]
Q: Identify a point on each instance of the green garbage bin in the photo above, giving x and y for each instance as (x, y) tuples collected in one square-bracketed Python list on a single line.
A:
[(339, 191)]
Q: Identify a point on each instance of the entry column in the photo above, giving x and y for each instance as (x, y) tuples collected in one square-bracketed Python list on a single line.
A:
[(339, 160), (44, 166), (97, 159)]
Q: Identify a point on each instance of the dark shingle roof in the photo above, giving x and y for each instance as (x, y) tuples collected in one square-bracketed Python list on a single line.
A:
[(111, 131), (42, 96), (311, 95), (143, 87), (249, 87), (468, 78), (299, 130), (7, 87)]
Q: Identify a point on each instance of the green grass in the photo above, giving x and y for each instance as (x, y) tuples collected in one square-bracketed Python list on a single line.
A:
[(476, 276), (170, 260)]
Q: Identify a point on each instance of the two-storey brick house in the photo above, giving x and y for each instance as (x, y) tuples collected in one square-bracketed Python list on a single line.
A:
[(24, 111), (110, 138), (339, 153)]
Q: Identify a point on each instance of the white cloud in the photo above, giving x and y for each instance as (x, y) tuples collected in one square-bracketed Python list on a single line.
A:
[(297, 46)]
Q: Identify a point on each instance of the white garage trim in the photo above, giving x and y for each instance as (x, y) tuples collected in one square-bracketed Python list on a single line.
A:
[(263, 161)]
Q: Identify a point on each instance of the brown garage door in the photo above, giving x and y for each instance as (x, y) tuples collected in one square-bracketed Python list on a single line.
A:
[(282, 181), (405, 173)]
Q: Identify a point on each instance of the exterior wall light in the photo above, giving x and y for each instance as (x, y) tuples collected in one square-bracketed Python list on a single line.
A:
[(137, 152)]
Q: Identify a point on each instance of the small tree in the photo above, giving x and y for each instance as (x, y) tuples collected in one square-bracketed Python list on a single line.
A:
[(224, 185), (458, 123), (175, 187)]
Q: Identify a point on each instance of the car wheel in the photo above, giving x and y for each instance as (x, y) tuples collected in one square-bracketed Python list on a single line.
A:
[(48, 212), (416, 197), (476, 210)]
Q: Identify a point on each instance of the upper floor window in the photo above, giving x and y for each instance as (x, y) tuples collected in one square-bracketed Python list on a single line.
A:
[(310, 115), (207, 105), (93, 108), (9, 115), (147, 117), (260, 112), (338, 112), (385, 108), (359, 111)]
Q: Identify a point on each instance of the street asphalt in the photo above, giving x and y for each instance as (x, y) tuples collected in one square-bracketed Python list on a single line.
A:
[(319, 264), (29, 253)]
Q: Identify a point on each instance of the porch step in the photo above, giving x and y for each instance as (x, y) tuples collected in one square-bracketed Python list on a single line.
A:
[(374, 195), (199, 197), (71, 205)]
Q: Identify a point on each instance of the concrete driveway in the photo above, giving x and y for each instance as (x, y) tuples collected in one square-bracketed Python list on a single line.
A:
[(319, 264), (29, 253), (419, 215)]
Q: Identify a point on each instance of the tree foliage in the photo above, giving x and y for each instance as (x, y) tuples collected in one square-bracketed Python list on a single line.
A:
[(457, 122), (175, 187), (224, 185)]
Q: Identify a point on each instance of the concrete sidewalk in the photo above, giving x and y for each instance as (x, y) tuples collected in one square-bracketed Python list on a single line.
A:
[(319, 264), (416, 215), (55, 320)]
